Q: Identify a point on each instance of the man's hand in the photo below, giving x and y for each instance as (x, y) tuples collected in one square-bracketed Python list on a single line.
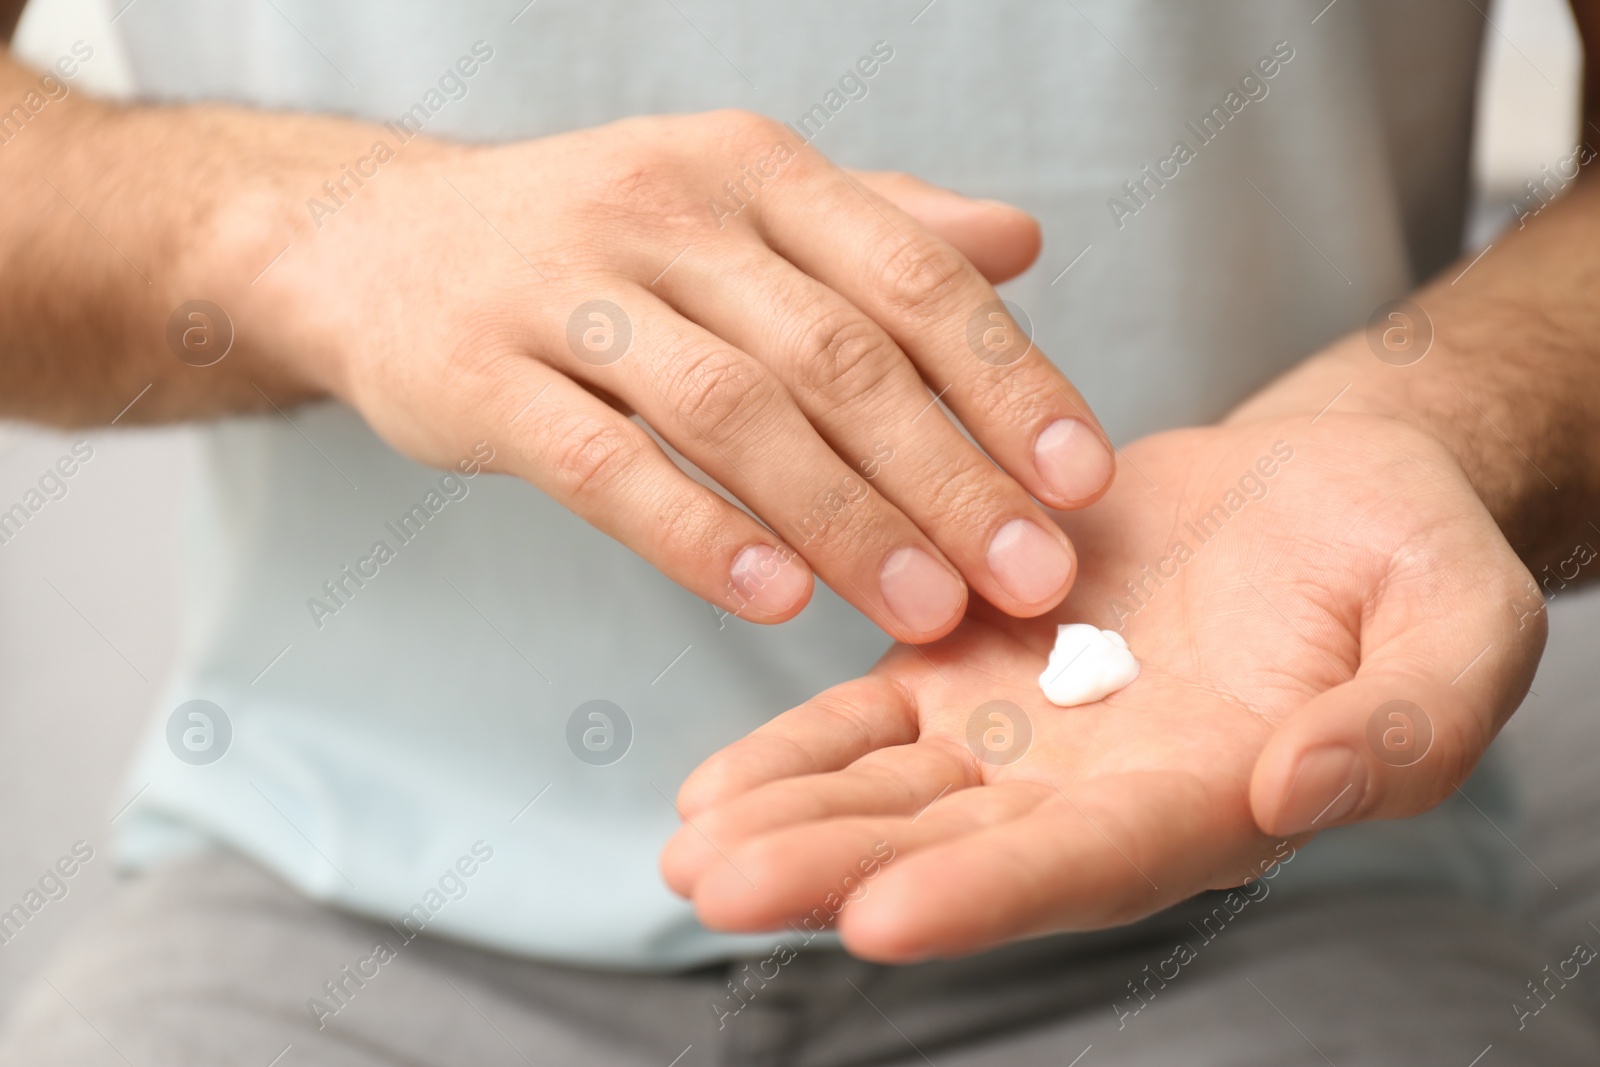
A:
[(780, 322), (1325, 571)]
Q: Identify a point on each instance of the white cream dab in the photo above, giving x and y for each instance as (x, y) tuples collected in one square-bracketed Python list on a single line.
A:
[(1087, 664)]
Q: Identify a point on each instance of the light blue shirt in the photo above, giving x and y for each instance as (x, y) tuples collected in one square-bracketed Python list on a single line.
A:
[(422, 720)]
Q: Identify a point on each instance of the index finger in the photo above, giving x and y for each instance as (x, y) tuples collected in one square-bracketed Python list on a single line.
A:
[(951, 323)]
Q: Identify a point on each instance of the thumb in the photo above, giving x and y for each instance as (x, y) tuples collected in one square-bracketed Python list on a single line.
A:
[(1399, 737), (1000, 240)]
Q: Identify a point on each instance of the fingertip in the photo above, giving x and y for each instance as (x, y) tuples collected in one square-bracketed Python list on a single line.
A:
[(729, 897), (697, 855), (925, 596), (1034, 566), (1310, 791), (707, 786), (678, 864), (1076, 464), (1000, 239), (769, 584), (1363, 751), (1017, 241), (1268, 784)]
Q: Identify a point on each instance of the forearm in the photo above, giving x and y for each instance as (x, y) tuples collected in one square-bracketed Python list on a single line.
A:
[(1511, 382), (111, 217)]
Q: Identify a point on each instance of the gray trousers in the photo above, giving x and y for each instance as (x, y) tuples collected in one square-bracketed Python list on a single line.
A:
[(213, 962)]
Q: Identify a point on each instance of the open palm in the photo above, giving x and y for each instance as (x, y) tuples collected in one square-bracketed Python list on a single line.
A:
[(1280, 582)]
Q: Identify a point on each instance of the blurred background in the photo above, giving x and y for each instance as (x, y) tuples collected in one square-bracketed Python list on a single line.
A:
[(88, 605)]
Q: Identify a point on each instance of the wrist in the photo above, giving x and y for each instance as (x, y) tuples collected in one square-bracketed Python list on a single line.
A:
[(1477, 422), (288, 248)]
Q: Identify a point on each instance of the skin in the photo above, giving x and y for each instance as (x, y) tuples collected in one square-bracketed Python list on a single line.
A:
[(1390, 560), (1259, 635), (444, 300), (441, 327)]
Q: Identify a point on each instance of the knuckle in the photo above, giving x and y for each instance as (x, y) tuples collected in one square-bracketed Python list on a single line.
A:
[(847, 520), (484, 351), (992, 393), (655, 181), (1019, 398), (687, 525), (641, 191), (719, 392), (842, 356), (741, 128), (962, 495), (919, 276), (591, 455)]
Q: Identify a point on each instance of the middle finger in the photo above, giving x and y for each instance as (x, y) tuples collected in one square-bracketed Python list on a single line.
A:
[(868, 402)]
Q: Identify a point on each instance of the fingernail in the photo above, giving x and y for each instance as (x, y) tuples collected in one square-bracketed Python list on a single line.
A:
[(771, 580), (1072, 459), (1327, 785), (1030, 564), (921, 591)]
